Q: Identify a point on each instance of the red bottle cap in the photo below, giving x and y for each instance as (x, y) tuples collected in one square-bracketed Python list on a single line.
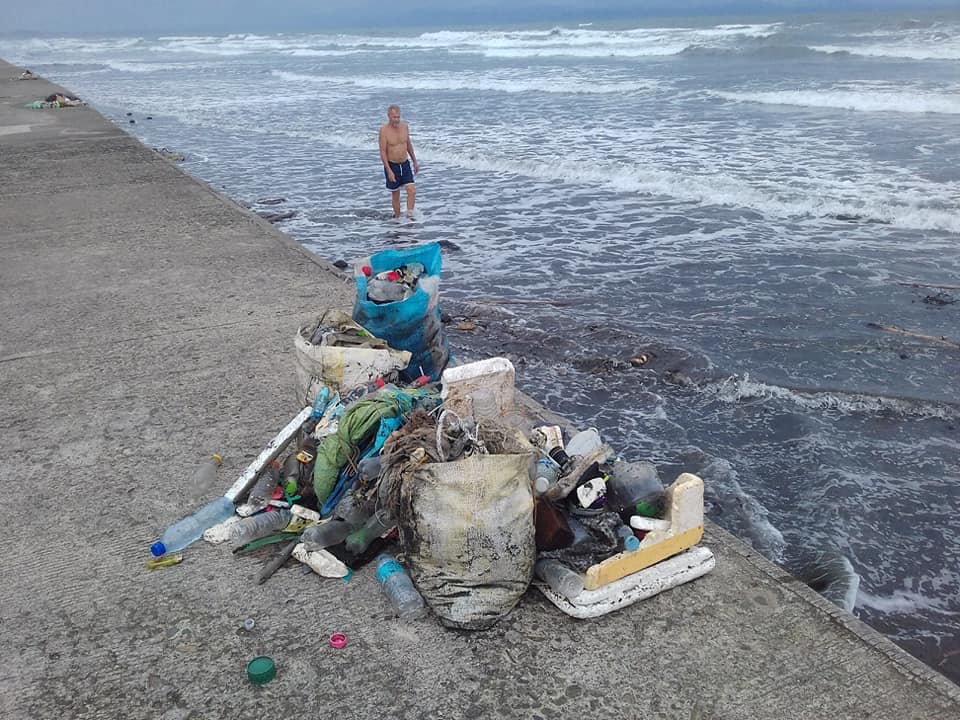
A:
[(338, 640), (380, 382), (393, 276), (367, 270)]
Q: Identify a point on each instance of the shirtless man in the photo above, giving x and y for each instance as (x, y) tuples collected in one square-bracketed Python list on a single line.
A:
[(395, 146)]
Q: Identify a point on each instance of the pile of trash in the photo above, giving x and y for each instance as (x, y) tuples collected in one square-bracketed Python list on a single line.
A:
[(56, 100), (393, 449)]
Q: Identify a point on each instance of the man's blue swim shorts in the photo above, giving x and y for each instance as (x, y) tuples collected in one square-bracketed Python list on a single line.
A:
[(402, 172)]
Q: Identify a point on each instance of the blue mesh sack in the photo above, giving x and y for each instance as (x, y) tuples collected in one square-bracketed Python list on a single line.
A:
[(412, 323)]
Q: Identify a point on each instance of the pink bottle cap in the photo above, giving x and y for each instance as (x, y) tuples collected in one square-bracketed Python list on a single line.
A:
[(338, 640)]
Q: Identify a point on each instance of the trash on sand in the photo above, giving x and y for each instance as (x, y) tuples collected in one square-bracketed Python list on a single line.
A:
[(261, 670), (164, 561)]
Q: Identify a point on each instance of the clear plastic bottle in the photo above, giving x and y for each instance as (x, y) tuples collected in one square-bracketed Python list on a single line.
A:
[(351, 510), (205, 477), (384, 291), (561, 579), (370, 467), (628, 541), (262, 491), (399, 588), (190, 529), (258, 526), (359, 540), (326, 534)]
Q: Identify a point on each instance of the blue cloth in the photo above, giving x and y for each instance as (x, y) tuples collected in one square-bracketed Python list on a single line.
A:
[(402, 173)]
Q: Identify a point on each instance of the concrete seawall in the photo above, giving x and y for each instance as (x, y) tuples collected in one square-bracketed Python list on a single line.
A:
[(147, 321)]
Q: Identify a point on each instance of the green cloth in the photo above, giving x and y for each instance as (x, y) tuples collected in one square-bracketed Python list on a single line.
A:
[(357, 428)]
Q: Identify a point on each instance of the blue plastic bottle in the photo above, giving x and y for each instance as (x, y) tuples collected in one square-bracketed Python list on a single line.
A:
[(190, 529)]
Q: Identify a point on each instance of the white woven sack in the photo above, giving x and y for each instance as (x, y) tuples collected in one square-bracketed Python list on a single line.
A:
[(467, 529), (340, 368)]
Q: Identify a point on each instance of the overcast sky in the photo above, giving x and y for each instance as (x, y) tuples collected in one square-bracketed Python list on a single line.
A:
[(156, 16)]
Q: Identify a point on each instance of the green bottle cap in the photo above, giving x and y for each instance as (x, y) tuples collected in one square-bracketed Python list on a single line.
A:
[(261, 670), (647, 509)]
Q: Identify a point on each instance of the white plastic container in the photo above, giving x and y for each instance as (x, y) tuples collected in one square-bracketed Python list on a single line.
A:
[(584, 442), (485, 387)]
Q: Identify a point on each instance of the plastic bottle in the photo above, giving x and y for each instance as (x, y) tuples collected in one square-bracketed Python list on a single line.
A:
[(398, 587), (351, 510), (370, 467), (632, 483), (291, 469), (262, 491), (204, 477), (628, 541), (547, 473), (258, 526), (190, 529), (561, 579), (384, 291), (377, 524), (579, 530), (326, 534), (560, 457)]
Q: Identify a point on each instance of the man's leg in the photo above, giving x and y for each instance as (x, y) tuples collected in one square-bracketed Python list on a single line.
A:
[(395, 199), (411, 198)]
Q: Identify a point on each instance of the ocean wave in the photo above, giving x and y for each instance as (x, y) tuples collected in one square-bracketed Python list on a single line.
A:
[(762, 52), (143, 67), (916, 211), (490, 82), (737, 389), (897, 52), (903, 602), (903, 102)]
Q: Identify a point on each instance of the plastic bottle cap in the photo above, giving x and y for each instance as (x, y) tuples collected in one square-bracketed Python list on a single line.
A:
[(261, 670), (338, 641), (631, 543), (158, 549), (646, 508), (367, 270)]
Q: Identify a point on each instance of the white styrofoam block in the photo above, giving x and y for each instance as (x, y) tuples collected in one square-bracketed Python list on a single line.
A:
[(680, 569)]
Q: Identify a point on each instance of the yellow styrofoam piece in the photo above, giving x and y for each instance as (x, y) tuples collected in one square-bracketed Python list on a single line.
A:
[(684, 509)]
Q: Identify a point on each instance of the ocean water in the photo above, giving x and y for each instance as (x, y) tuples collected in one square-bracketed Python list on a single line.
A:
[(741, 202)]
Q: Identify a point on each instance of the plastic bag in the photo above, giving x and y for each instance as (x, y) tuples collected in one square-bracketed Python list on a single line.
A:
[(413, 323)]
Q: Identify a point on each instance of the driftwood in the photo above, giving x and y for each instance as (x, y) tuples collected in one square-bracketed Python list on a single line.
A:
[(942, 339), (929, 285)]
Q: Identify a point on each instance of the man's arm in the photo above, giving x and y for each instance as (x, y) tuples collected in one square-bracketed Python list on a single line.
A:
[(411, 153), (383, 156)]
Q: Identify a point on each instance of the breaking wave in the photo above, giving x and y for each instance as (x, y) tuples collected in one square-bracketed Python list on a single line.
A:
[(487, 82), (909, 102), (736, 389)]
